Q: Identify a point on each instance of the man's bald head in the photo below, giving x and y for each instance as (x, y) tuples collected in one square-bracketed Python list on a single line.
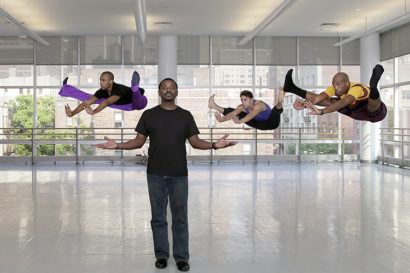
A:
[(341, 77), (341, 83)]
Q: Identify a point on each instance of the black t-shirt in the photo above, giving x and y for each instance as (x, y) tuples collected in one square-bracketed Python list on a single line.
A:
[(124, 92), (167, 131)]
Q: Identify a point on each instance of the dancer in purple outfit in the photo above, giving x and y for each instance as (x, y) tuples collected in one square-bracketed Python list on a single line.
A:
[(110, 94)]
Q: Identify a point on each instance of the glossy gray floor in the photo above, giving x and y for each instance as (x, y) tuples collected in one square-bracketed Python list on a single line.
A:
[(282, 217)]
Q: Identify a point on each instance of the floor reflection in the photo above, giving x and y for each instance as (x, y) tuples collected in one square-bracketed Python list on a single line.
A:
[(282, 217)]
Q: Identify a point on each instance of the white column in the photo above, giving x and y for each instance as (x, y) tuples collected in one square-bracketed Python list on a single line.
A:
[(167, 57), (369, 132)]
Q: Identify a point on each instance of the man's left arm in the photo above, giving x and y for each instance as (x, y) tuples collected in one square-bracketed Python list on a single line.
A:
[(111, 100), (200, 144), (349, 99)]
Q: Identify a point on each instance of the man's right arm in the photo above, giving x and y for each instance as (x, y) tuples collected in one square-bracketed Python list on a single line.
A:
[(80, 107), (135, 143)]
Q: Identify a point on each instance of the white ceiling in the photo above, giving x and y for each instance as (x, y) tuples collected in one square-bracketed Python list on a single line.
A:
[(198, 17)]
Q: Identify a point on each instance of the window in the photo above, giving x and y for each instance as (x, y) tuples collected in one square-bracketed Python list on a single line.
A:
[(118, 120)]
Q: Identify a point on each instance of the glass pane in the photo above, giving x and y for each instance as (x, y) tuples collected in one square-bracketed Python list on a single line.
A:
[(386, 45), (193, 75), (315, 75), (100, 49), (135, 53), (351, 53), (351, 127), (271, 76), (195, 101), (90, 75), (61, 50), (16, 50), (16, 75), (403, 70), (232, 75), (148, 75), (387, 77), (16, 106), (387, 96), (319, 51), (226, 51), (193, 50), (276, 50), (53, 75), (353, 71), (404, 106)]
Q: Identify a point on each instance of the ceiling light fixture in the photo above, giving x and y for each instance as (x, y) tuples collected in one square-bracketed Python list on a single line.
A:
[(388, 25), (274, 14), (23, 28), (140, 20)]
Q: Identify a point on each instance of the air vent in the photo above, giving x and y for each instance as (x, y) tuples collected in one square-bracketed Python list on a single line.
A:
[(163, 23), (329, 24)]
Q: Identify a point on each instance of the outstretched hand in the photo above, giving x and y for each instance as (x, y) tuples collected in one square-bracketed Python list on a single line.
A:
[(313, 109), (88, 108), (299, 104), (68, 111), (110, 144), (223, 143), (236, 120), (218, 116)]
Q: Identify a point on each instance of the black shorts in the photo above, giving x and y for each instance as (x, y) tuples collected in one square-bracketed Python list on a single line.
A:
[(361, 113)]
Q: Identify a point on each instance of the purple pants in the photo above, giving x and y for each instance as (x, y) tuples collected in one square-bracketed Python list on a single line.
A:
[(138, 101)]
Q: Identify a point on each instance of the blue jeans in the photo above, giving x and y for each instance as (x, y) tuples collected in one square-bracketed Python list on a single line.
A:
[(176, 188)]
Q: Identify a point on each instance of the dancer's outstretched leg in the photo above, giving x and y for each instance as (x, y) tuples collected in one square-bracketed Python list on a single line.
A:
[(374, 80), (290, 87), (72, 92), (139, 101), (213, 105), (135, 81), (374, 97), (281, 96)]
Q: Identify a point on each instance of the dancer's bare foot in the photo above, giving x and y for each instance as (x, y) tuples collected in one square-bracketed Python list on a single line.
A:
[(211, 102), (213, 105), (281, 95)]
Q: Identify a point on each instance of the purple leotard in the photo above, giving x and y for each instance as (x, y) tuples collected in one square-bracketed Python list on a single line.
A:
[(262, 116)]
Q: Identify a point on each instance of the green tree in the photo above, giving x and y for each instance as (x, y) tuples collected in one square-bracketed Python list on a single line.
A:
[(21, 112), (313, 149)]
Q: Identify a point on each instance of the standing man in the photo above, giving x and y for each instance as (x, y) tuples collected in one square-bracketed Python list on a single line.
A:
[(168, 126)]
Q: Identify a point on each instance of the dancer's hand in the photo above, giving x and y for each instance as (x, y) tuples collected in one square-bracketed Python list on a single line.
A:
[(68, 111), (222, 143), (110, 144), (236, 120), (313, 109), (299, 104), (88, 108), (218, 116)]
